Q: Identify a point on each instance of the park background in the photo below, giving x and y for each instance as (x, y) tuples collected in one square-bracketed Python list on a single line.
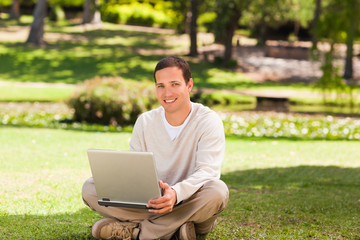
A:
[(282, 74)]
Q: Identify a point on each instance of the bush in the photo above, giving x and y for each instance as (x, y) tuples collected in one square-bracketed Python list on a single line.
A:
[(206, 21), (143, 14), (112, 101), (283, 126)]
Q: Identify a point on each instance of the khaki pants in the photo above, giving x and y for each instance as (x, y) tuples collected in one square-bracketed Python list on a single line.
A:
[(202, 208)]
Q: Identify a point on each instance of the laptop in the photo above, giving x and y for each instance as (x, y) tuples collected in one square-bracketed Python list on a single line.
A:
[(124, 178)]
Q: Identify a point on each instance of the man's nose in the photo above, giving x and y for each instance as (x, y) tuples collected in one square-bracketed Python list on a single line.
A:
[(167, 91)]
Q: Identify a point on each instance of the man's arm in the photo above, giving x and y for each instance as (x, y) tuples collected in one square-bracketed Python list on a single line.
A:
[(209, 154)]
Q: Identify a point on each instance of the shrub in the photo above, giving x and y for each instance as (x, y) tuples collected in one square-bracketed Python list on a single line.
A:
[(136, 13), (283, 126), (206, 21), (112, 101)]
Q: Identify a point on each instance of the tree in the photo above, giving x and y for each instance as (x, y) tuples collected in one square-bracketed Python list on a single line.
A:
[(353, 10), (36, 35), (193, 28), (228, 16), (339, 23), (314, 24), (262, 15), (91, 13), (15, 9)]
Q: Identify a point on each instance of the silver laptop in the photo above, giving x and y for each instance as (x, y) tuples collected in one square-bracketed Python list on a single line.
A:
[(124, 179)]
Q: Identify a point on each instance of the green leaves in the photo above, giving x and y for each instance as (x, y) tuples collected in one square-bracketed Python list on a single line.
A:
[(256, 125), (112, 101)]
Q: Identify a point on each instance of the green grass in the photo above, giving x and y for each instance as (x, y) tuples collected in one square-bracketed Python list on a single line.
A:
[(74, 55), (15, 93), (280, 189), (113, 50)]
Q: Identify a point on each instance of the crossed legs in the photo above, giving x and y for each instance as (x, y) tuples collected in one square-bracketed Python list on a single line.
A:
[(202, 208)]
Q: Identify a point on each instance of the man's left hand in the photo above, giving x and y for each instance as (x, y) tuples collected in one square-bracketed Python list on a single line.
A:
[(165, 203)]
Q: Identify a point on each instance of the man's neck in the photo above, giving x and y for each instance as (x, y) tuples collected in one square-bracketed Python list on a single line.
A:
[(178, 118)]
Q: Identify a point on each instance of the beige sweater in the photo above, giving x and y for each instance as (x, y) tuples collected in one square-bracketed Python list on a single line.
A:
[(193, 158)]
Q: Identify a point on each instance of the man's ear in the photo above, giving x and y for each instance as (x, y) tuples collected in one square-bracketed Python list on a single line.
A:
[(190, 84)]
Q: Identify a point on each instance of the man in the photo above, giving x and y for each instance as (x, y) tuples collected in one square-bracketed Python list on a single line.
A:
[(188, 143)]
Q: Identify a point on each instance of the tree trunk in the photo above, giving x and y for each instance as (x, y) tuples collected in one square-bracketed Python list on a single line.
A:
[(15, 9), (87, 15), (36, 35), (193, 28), (229, 33), (348, 70), (97, 14), (314, 38), (91, 13)]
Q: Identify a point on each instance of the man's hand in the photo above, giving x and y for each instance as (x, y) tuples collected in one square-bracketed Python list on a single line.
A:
[(165, 203)]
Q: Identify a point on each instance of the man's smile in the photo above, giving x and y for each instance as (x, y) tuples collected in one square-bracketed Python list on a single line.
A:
[(170, 100)]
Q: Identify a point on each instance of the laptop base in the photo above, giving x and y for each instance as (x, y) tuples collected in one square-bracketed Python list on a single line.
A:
[(107, 203)]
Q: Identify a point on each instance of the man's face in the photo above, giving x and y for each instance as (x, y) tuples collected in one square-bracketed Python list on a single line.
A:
[(172, 91)]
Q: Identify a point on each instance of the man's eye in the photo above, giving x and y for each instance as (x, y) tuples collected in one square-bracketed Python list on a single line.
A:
[(160, 86)]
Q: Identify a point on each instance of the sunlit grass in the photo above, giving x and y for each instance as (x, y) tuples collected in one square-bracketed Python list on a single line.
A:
[(278, 189), (15, 93)]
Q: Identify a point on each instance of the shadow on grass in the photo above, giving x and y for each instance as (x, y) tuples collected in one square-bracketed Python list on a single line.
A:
[(292, 203), (72, 64), (58, 226), (71, 61), (304, 202), (103, 52)]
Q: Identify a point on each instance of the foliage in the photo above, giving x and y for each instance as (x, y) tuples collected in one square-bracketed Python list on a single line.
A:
[(256, 125), (5, 3), (336, 18), (262, 15), (64, 3), (112, 101), (137, 13), (53, 120), (67, 3), (57, 13), (330, 81), (206, 21)]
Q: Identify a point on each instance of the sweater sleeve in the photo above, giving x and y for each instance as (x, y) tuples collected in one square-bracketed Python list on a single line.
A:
[(137, 143), (209, 155)]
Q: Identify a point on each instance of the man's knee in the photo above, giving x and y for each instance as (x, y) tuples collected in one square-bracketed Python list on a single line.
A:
[(217, 192), (88, 191)]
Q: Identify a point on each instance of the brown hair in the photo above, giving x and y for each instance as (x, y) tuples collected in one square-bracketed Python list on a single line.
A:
[(174, 62)]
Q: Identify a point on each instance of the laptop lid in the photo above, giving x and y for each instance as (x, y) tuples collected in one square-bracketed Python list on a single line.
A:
[(123, 178)]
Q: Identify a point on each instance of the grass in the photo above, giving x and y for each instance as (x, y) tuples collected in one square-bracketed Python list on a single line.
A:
[(14, 93), (74, 54), (281, 189)]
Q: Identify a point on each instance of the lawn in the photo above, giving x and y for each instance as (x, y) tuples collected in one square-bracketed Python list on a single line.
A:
[(283, 189), (35, 93), (74, 54)]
